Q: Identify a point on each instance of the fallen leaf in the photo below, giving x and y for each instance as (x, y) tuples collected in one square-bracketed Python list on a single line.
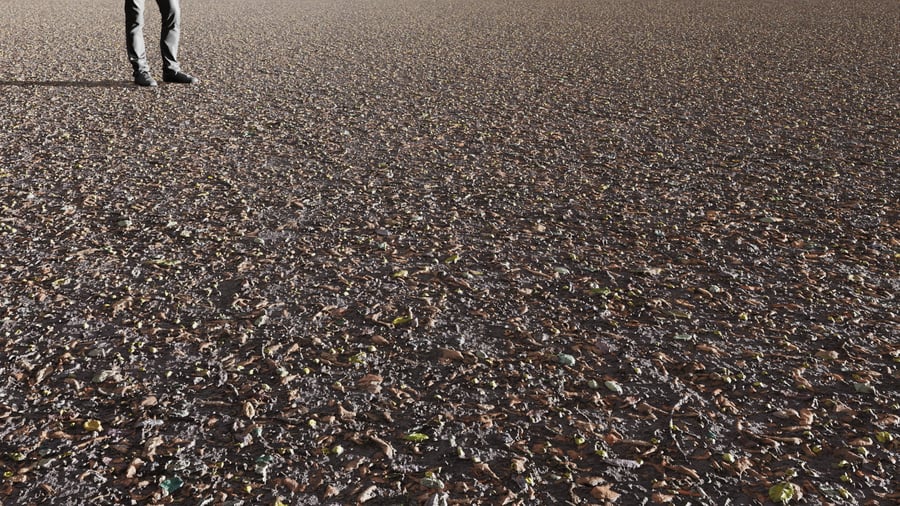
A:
[(605, 493)]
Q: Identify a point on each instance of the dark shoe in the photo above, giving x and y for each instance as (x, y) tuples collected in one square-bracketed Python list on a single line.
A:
[(179, 77), (144, 78)]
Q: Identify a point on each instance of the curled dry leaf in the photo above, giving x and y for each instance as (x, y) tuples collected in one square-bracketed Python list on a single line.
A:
[(368, 493), (590, 481), (371, 383), (248, 410), (518, 465), (449, 354), (484, 469), (605, 493), (385, 447), (151, 445), (133, 467)]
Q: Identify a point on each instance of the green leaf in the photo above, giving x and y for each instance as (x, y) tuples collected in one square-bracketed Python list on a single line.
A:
[(416, 437), (602, 291), (782, 492), (864, 388), (401, 320)]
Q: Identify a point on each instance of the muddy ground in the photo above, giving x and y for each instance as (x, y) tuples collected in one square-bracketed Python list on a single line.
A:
[(452, 252)]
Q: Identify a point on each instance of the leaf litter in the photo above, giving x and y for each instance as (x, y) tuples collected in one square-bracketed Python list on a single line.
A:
[(454, 253)]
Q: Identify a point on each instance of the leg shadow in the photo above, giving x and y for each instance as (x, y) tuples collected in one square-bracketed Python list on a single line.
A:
[(69, 84)]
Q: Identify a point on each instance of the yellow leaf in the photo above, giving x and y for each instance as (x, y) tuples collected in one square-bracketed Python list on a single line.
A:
[(416, 437), (401, 320)]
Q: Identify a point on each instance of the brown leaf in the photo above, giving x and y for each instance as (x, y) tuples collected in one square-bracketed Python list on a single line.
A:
[(380, 340), (449, 354), (887, 420), (331, 491), (291, 484), (518, 465), (806, 416), (605, 493), (248, 410), (371, 383), (708, 348), (345, 414), (660, 498), (483, 468), (384, 445), (590, 481), (683, 470), (367, 494), (151, 445), (133, 467), (148, 401)]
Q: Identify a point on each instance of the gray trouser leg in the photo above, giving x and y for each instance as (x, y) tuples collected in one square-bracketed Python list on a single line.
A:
[(134, 35), (170, 12)]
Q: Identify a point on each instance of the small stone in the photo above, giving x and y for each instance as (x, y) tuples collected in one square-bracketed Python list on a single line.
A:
[(864, 388), (566, 359), (614, 387)]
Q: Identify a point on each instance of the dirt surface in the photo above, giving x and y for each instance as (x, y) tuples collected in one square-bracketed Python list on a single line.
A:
[(452, 252)]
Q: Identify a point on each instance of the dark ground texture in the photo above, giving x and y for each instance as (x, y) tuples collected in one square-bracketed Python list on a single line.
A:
[(452, 252)]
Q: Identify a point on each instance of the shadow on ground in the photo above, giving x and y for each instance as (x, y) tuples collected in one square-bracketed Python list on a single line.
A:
[(69, 84)]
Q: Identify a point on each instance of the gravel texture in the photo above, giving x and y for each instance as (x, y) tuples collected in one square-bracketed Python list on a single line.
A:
[(452, 252)]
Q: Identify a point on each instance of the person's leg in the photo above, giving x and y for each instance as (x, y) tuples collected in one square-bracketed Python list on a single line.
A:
[(134, 35), (170, 12)]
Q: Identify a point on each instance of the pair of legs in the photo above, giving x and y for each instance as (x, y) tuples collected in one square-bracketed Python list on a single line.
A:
[(170, 12)]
